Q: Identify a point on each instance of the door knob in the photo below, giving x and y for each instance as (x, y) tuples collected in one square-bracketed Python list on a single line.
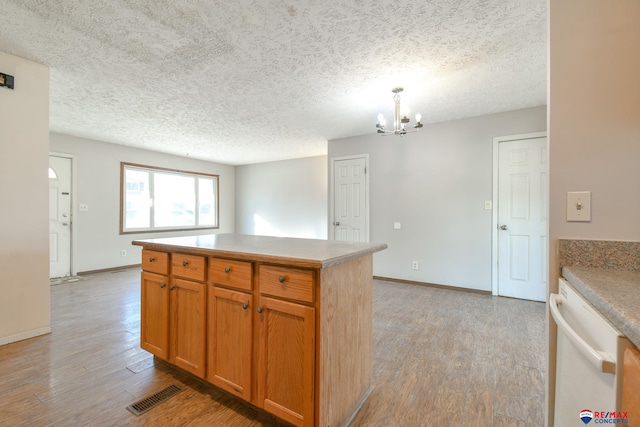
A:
[(65, 223), (336, 223), (504, 227)]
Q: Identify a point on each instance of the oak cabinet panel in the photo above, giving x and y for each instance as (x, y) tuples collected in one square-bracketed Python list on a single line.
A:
[(286, 282), (229, 352), (286, 360), (155, 262), (188, 267), (188, 326), (231, 273), (154, 318)]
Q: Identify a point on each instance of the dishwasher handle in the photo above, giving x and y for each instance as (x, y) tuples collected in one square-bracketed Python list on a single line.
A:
[(599, 359)]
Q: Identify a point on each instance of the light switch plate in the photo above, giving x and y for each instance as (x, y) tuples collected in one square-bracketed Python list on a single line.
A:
[(579, 206), (487, 205)]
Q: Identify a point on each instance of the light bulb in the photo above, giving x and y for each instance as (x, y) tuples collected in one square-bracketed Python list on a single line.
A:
[(418, 117), (381, 120)]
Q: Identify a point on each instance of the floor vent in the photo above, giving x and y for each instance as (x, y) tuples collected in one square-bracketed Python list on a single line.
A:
[(154, 400)]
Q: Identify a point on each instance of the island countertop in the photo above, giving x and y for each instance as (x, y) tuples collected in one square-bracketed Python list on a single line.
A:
[(311, 253), (614, 293)]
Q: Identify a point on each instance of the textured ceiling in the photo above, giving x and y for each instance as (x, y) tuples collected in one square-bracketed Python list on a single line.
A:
[(249, 81)]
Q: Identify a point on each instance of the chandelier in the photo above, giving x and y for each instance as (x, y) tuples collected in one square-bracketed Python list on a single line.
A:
[(400, 119)]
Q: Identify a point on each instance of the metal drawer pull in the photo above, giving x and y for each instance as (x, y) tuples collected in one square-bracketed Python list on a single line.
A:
[(245, 306), (281, 279), (172, 287), (162, 285), (151, 259), (185, 263), (259, 309), (227, 269)]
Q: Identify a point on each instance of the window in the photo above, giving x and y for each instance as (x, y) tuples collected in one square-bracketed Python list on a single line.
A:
[(156, 199)]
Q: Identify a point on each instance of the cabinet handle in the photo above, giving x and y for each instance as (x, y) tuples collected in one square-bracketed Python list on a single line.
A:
[(172, 287), (245, 306), (151, 259), (281, 279), (227, 269), (162, 285), (185, 263), (259, 309)]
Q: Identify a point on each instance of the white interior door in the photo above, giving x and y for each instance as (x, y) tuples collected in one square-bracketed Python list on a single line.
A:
[(350, 194), (522, 218), (59, 216)]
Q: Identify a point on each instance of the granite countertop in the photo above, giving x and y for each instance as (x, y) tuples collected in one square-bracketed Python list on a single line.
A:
[(314, 253), (614, 293)]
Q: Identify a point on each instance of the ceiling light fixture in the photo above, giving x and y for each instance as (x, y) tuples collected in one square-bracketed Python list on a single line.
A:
[(400, 119)]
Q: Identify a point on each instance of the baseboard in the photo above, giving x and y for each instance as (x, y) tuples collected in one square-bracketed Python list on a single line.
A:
[(25, 335), (106, 270), (433, 285)]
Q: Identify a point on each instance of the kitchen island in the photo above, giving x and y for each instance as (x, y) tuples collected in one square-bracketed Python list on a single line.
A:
[(284, 324)]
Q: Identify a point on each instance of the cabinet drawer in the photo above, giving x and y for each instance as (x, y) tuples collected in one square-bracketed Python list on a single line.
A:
[(188, 266), (234, 274), (290, 283), (155, 262)]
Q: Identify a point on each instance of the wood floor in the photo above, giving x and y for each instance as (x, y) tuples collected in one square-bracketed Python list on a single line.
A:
[(441, 358)]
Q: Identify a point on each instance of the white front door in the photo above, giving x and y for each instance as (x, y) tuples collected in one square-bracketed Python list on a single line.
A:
[(350, 200), (522, 218), (59, 216)]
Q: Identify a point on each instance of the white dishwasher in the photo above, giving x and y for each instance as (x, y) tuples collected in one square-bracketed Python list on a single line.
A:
[(588, 360)]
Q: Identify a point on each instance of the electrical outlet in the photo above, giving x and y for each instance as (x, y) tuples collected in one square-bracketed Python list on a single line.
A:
[(123, 253), (415, 265)]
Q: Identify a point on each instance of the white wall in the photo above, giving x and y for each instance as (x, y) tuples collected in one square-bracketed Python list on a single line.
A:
[(98, 184), (435, 183), (286, 198), (594, 126), (24, 190)]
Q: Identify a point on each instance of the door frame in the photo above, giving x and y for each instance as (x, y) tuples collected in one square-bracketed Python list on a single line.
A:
[(494, 204), (331, 216), (74, 209)]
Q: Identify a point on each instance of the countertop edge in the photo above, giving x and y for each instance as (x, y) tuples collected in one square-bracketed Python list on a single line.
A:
[(259, 257), (592, 283)]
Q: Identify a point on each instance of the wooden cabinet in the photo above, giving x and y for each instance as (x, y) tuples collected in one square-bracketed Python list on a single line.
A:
[(187, 333), (282, 361), (289, 283), (173, 310), (631, 386), (286, 355), (230, 326), (155, 262), (284, 324), (154, 316)]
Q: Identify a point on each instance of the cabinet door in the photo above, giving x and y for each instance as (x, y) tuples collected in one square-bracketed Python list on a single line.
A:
[(230, 338), (188, 323), (286, 360), (154, 314)]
